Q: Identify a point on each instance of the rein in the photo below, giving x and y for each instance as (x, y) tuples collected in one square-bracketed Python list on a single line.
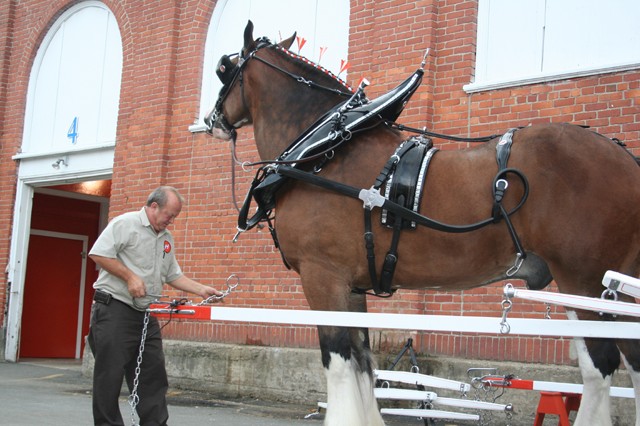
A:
[(425, 132)]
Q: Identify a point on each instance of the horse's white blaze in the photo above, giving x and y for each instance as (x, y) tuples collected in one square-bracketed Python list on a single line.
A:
[(595, 407), (350, 398), (635, 379)]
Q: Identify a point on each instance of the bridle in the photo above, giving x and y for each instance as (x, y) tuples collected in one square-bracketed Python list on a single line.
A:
[(229, 73)]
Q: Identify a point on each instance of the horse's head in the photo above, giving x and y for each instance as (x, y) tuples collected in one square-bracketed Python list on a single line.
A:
[(232, 110)]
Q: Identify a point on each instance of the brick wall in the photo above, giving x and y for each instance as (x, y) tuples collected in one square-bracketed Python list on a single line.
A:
[(163, 44)]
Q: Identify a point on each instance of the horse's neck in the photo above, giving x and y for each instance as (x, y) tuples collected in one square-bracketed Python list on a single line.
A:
[(285, 112)]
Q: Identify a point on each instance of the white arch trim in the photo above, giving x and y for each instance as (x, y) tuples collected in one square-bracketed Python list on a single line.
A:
[(322, 23), (54, 165)]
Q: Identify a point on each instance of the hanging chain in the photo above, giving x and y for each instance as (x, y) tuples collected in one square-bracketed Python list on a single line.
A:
[(487, 392), (134, 398)]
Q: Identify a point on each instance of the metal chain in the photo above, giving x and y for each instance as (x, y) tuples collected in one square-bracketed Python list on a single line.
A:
[(489, 395), (232, 282), (134, 398)]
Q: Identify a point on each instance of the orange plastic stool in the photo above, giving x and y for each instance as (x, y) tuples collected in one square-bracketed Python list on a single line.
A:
[(554, 403)]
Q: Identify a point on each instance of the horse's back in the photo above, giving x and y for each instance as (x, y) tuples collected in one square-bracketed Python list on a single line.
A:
[(585, 166), (583, 210)]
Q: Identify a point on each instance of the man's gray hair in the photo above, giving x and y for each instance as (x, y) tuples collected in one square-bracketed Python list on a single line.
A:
[(160, 195)]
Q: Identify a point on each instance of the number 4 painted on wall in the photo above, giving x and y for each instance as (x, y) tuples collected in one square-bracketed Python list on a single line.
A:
[(72, 133)]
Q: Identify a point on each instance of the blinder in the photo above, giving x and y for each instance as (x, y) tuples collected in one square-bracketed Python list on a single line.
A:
[(227, 69)]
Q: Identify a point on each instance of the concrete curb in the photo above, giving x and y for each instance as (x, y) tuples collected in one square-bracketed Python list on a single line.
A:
[(296, 376)]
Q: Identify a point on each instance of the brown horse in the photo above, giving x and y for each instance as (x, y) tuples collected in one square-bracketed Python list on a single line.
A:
[(581, 217)]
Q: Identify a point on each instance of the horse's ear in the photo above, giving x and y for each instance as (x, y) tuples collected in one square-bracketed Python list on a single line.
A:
[(248, 37), (288, 42)]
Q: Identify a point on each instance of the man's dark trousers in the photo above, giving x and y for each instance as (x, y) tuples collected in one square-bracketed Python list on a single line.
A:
[(114, 338)]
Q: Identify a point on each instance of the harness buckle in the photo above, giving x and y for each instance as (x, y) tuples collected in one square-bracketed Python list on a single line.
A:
[(371, 198)]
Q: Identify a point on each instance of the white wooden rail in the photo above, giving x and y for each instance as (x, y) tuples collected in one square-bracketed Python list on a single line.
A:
[(413, 322)]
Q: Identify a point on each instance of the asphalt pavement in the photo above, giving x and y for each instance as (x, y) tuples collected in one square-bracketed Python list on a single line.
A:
[(55, 393)]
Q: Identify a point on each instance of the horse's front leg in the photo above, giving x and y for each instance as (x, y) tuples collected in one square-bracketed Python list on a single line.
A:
[(346, 357)]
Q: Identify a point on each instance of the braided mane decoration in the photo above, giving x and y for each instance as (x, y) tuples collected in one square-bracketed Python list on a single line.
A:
[(314, 65)]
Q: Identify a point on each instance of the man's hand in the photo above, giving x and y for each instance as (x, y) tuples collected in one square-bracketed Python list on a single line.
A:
[(136, 287), (209, 291), (191, 286)]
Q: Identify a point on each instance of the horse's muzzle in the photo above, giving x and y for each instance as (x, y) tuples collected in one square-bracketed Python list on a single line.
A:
[(215, 128), (219, 134)]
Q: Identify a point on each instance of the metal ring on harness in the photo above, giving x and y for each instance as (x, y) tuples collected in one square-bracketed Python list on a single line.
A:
[(609, 294)]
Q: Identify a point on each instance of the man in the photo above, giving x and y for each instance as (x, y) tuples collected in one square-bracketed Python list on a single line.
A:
[(136, 255)]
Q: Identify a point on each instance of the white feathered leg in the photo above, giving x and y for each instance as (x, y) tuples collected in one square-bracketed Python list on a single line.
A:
[(595, 408), (350, 398)]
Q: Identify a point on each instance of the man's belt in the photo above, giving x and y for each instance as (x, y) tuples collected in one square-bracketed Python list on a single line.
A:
[(102, 297)]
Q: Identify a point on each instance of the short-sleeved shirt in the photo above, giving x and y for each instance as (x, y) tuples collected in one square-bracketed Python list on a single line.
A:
[(131, 239)]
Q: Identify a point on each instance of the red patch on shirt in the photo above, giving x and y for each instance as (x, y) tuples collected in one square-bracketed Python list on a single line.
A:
[(167, 246)]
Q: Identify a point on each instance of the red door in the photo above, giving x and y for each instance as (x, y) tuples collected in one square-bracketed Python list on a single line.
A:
[(51, 303)]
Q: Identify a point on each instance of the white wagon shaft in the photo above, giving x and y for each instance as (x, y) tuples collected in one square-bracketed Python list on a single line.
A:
[(615, 281), (572, 301), (416, 412)]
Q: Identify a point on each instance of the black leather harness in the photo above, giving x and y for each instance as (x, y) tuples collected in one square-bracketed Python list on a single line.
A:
[(503, 150), (321, 139), (403, 174)]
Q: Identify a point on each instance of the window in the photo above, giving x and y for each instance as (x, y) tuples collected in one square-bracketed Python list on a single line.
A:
[(529, 41), (323, 24), (74, 89)]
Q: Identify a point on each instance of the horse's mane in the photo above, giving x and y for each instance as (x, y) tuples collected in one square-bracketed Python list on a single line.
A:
[(313, 68)]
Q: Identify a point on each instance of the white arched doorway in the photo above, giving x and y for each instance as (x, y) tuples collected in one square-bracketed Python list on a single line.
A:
[(69, 134)]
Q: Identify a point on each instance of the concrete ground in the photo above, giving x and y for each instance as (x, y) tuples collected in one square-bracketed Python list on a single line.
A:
[(47, 392), (56, 392)]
